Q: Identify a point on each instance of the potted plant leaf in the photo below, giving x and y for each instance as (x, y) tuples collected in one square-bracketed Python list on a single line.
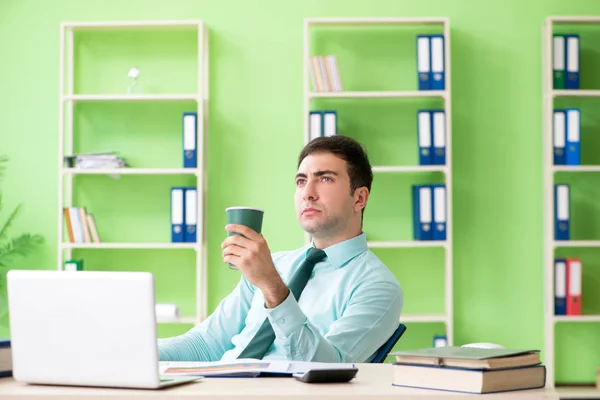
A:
[(12, 247)]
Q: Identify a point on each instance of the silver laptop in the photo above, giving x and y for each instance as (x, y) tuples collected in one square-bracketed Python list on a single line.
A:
[(85, 328)]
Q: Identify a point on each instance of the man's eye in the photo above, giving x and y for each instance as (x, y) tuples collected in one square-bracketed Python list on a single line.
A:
[(327, 179), (300, 182)]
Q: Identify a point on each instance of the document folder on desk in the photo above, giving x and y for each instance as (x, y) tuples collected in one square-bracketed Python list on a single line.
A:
[(248, 368)]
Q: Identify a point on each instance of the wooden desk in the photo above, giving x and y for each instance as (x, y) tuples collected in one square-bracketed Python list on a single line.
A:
[(373, 381)]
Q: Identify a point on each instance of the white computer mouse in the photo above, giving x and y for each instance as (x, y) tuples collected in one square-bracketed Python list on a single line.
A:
[(484, 345)]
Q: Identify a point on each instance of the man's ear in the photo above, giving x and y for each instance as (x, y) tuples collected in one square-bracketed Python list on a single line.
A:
[(361, 196)]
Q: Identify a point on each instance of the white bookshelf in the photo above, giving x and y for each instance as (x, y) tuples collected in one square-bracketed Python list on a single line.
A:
[(447, 316), (67, 101), (550, 245)]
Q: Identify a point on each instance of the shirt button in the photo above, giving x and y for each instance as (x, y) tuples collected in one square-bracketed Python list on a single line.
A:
[(293, 352), (282, 321)]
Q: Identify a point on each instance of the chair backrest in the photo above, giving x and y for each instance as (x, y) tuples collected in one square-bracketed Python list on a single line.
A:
[(387, 346)]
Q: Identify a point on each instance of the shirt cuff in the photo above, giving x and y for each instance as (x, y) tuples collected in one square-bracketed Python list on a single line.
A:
[(287, 318)]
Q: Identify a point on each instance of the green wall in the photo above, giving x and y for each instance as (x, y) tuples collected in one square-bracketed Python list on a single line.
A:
[(256, 101)]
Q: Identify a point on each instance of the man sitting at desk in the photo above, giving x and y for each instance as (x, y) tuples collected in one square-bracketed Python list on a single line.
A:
[(347, 309)]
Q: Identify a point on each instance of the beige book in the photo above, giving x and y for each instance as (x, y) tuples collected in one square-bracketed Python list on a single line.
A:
[(92, 226), (84, 225), (317, 73)]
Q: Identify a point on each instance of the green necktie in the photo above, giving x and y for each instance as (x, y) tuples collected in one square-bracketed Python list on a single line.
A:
[(265, 336)]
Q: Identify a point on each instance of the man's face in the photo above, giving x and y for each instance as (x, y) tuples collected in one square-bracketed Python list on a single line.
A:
[(324, 206)]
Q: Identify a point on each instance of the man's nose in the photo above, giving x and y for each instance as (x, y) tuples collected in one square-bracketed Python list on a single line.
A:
[(310, 191)]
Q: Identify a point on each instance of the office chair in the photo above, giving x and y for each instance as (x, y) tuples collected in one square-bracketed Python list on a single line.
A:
[(387, 346)]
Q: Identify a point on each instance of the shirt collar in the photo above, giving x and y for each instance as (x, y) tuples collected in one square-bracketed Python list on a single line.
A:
[(340, 253)]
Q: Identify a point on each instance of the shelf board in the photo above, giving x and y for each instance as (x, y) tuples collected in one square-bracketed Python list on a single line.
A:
[(576, 318), (577, 392), (415, 168), (407, 243), (380, 94), (576, 243), (130, 171), (576, 93), (423, 318), (132, 97), (132, 24), (132, 246), (575, 19), (374, 21), (576, 168)]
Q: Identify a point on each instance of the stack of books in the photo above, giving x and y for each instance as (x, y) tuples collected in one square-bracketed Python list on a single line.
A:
[(469, 369), (324, 74)]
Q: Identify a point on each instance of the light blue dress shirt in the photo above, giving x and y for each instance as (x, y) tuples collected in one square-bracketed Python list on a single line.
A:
[(350, 306)]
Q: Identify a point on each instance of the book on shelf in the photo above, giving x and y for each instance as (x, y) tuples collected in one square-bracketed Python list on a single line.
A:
[(565, 61), (469, 369), (81, 226), (324, 74)]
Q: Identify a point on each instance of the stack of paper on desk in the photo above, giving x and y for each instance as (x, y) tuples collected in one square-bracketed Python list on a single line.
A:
[(245, 368)]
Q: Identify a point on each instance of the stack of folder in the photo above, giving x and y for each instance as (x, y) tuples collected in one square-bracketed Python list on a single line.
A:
[(322, 123), (431, 127), (565, 63), (429, 212), (430, 62), (567, 132), (469, 369), (567, 286), (184, 215)]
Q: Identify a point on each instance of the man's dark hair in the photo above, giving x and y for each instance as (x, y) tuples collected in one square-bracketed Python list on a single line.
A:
[(349, 150)]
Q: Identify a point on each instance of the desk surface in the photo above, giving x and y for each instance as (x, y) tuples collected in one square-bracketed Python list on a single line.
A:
[(373, 381)]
